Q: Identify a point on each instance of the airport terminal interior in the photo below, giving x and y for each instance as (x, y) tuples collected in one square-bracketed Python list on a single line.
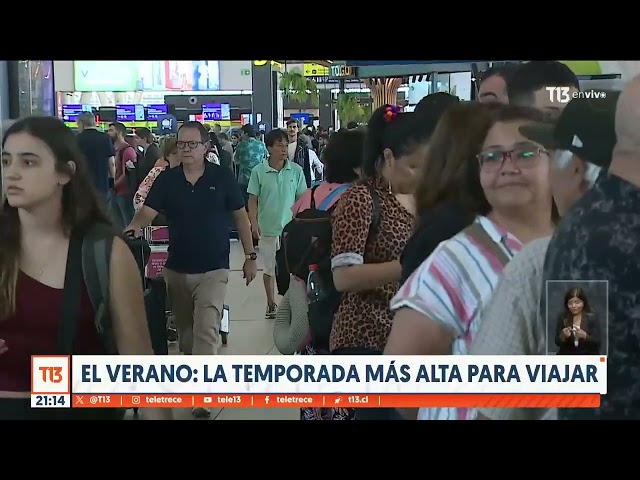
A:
[(242, 112)]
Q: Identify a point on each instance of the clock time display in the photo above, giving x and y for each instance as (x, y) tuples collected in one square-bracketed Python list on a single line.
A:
[(50, 401)]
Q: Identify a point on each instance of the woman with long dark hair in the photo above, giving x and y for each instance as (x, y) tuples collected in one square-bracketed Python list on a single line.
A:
[(445, 202), (578, 328), (49, 210), (371, 225)]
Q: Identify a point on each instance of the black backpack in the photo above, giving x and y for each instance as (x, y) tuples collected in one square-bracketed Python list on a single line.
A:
[(131, 174), (307, 241)]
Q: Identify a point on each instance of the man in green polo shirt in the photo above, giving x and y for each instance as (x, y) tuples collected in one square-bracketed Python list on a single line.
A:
[(273, 188)]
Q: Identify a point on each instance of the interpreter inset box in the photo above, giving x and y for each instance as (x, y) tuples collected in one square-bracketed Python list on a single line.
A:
[(577, 317)]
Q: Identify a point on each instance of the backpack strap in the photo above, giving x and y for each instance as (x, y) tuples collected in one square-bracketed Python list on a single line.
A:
[(313, 197), (480, 235), (96, 260), (120, 153), (375, 214), (120, 157), (130, 147), (306, 162), (72, 296), (329, 198)]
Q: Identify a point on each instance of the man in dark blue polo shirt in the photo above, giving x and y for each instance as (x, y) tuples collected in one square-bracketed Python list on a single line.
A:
[(196, 198)]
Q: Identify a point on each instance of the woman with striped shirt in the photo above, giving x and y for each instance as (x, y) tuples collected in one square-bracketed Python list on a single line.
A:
[(438, 310)]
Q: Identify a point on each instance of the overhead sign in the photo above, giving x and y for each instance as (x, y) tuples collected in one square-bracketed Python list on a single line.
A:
[(315, 70), (167, 124), (584, 67), (146, 75), (262, 63), (343, 71), (374, 63), (334, 80)]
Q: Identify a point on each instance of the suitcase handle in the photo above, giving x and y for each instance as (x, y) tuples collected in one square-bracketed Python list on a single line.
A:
[(130, 234)]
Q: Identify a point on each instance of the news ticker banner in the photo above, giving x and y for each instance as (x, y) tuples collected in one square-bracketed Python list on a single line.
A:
[(268, 381)]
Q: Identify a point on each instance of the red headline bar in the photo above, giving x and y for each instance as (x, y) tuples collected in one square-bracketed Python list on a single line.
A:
[(393, 400)]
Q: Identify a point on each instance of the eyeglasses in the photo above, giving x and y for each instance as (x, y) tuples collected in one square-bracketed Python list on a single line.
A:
[(192, 144), (524, 157)]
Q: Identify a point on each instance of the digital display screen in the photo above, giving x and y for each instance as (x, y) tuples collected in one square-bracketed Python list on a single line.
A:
[(225, 110), (70, 112), (129, 113), (304, 118), (213, 112), (146, 75), (155, 111)]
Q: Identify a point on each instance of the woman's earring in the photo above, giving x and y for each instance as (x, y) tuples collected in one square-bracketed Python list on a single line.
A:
[(390, 189)]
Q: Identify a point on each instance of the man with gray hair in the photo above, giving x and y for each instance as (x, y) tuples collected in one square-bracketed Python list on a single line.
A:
[(98, 152), (599, 239), (580, 145)]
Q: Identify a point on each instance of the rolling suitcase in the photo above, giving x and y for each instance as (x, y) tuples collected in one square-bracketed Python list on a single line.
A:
[(155, 299), (154, 295), (158, 238), (153, 304)]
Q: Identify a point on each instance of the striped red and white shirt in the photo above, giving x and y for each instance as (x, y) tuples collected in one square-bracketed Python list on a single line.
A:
[(452, 287)]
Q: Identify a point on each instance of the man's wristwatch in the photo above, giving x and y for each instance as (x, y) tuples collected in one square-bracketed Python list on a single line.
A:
[(251, 256)]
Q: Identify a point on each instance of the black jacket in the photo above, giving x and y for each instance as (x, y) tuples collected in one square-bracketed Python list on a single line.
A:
[(434, 228)]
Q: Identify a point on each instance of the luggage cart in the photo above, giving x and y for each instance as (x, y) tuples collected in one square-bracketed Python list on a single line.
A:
[(158, 238)]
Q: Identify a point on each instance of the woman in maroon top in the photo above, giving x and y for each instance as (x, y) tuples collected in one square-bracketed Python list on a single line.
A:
[(48, 197)]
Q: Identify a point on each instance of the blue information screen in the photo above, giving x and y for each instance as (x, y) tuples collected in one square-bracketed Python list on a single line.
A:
[(213, 112), (129, 113), (70, 112), (155, 111)]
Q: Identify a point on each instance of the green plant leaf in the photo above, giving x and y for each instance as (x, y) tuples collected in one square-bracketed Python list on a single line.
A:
[(349, 108), (298, 88)]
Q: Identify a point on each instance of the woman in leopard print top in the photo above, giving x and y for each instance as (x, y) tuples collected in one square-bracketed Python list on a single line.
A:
[(364, 255)]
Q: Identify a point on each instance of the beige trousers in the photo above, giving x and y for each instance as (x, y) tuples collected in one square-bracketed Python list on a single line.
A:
[(196, 302)]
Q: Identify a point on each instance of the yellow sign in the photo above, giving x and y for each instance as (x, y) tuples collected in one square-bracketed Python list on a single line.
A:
[(262, 63), (584, 67), (315, 70)]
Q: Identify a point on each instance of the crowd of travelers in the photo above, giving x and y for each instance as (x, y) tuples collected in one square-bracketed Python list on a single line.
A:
[(462, 213), (435, 232)]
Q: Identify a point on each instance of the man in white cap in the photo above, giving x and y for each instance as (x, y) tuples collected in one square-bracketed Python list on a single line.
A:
[(598, 240)]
